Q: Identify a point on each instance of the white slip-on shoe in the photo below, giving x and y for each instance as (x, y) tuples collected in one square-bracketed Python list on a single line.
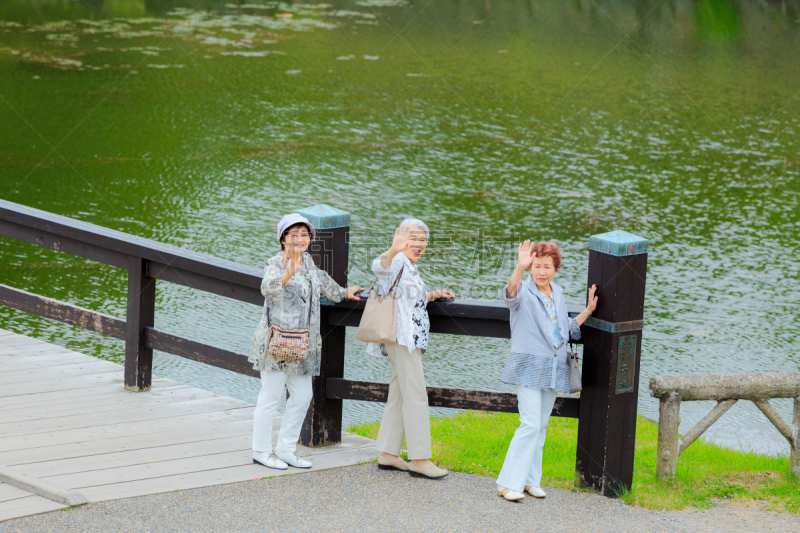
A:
[(508, 494), (269, 459), (536, 492), (292, 459)]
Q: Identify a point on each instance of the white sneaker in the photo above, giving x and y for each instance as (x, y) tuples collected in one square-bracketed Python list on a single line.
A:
[(269, 459), (536, 492), (292, 459), (508, 494)]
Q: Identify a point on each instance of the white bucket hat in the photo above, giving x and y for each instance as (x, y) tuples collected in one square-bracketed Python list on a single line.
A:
[(290, 220)]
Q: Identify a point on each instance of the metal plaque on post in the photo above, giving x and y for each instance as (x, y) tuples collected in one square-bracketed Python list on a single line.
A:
[(626, 363)]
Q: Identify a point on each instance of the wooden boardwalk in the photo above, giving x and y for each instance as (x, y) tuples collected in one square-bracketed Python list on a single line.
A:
[(65, 418)]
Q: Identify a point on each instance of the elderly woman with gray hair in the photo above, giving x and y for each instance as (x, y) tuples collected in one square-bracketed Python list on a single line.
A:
[(406, 412)]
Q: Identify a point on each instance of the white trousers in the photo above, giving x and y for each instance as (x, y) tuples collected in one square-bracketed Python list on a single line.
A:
[(269, 397), (523, 464)]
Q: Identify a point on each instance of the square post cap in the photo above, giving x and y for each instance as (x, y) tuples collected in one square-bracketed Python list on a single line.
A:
[(619, 243), (323, 216)]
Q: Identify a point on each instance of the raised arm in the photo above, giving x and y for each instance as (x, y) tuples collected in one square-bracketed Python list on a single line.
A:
[(291, 264), (275, 277), (399, 244), (272, 283), (524, 260), (386, 275)]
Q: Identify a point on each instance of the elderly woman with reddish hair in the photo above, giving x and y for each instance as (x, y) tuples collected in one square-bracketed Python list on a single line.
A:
[(540, 329)]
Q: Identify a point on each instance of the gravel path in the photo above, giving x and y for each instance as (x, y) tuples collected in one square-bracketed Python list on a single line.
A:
[(363, 498)]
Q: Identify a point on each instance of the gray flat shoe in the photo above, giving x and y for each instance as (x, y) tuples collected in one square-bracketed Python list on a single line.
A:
[(390, 464), (431, 471)]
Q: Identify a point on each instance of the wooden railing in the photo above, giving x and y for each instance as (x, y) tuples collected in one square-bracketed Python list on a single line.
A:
[(605, 410)]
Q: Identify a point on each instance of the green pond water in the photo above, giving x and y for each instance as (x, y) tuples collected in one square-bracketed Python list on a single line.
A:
[(200, 124)]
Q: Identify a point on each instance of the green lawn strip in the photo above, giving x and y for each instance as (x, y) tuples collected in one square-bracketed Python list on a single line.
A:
[(475, 442)]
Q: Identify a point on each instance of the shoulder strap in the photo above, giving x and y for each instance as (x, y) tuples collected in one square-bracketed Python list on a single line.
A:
[(310, 301), (397, 278), (393, 284)]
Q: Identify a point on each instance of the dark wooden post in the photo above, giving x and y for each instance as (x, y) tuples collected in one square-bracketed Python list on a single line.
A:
[(141, 313), (323, 423), (611, 354)]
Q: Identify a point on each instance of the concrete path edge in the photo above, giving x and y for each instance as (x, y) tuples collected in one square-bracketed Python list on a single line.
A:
[(41, 487)]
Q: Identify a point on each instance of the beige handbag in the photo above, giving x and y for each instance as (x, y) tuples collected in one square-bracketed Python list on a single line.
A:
[(379, 320)]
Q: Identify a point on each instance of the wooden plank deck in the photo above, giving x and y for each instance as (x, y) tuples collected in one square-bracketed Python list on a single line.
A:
[(15, 503), (65, 417)]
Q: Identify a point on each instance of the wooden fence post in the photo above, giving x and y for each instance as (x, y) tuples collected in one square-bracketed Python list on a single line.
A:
[(323, 423), (669, 439), (611, 355), (140, 314)]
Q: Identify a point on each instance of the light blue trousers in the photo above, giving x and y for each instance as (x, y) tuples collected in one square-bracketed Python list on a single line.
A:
[(523, 464)]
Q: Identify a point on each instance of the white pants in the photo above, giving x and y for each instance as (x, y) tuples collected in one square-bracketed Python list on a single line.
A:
[(523, 464), (269, 397)]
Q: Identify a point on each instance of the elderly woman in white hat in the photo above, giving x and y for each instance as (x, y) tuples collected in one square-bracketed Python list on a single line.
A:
[(291, 287), (406, 411)]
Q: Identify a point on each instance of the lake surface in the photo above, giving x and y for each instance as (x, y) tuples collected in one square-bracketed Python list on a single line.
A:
[(200, 124)]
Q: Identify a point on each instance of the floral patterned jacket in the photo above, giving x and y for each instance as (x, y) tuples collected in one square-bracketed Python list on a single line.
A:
[(413, 324), (288, 306)]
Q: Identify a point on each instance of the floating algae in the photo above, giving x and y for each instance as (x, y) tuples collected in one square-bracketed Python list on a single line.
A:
[(61, 37), (233, 27), (382, 3), (261, 53), (222, 41), (345, 13), (67, 62)]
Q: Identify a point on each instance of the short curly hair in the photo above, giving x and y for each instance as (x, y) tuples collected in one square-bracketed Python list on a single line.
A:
[(548, 249)]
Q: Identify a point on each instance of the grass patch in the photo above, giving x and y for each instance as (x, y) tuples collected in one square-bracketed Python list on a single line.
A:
[(475, 442)]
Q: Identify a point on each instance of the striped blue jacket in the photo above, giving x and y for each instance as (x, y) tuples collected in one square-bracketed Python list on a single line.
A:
[(534, 361)]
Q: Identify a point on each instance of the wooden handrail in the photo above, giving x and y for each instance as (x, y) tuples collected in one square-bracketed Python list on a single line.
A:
[(476, 318), (169, 263), (750, 386)]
